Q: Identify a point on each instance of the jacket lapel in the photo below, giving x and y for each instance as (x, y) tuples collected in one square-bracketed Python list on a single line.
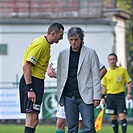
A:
[(66, 61), (81, 57)]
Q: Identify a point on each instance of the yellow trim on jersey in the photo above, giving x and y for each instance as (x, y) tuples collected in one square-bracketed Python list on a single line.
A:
[(115, 79), (38, 53)]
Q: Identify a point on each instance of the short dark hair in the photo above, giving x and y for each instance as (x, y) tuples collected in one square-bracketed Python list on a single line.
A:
[(55, 27), (74, 31), (113, 54)]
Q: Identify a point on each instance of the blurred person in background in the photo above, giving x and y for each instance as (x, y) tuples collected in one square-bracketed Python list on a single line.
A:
[(113, 85)]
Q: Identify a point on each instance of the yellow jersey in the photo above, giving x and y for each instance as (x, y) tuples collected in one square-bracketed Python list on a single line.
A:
[(115, 79), (38, 53)]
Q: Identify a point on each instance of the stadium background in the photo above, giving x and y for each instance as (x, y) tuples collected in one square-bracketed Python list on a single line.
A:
[(87, 13)]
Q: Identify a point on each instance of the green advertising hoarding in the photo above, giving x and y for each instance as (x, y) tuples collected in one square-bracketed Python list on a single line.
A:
[(50, 104)]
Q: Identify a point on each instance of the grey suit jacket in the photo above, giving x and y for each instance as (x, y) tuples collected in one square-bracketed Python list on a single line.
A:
[(88, 74)]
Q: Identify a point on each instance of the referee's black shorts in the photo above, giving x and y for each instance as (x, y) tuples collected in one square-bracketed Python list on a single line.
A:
[(116, 104), (27, 105)]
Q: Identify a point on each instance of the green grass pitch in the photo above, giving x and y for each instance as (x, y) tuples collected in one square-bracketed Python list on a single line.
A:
[(51, 129)]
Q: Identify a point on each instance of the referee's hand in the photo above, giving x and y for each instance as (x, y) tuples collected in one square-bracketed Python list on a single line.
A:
[(103, 101), (129, 96), (32, 96)]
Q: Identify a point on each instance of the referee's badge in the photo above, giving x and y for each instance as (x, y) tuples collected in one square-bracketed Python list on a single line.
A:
[(119, 78)]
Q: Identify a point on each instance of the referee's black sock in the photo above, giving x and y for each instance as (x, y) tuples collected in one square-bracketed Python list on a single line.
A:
[(29, 130), (124, 125), (115, 126)]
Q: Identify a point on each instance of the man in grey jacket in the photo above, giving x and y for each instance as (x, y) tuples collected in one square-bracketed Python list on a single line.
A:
[(78, 82)]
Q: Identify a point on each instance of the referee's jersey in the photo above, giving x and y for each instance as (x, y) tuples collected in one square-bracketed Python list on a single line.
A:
[(115, 79), (38, 53)]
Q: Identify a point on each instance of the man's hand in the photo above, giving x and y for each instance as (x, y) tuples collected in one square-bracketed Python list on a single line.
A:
[(32, 96), (103, 101), (96, 103), (129, 96), (51, 73)]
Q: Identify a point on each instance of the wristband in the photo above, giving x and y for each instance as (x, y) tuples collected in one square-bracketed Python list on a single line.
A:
[(103, 95), (29, 87), (129, 93)]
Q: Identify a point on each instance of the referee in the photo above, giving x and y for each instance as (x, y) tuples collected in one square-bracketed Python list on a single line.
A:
[(113, 84), (31, 85)]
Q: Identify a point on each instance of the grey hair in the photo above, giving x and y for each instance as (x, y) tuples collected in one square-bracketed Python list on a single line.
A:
[(76, 31)]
